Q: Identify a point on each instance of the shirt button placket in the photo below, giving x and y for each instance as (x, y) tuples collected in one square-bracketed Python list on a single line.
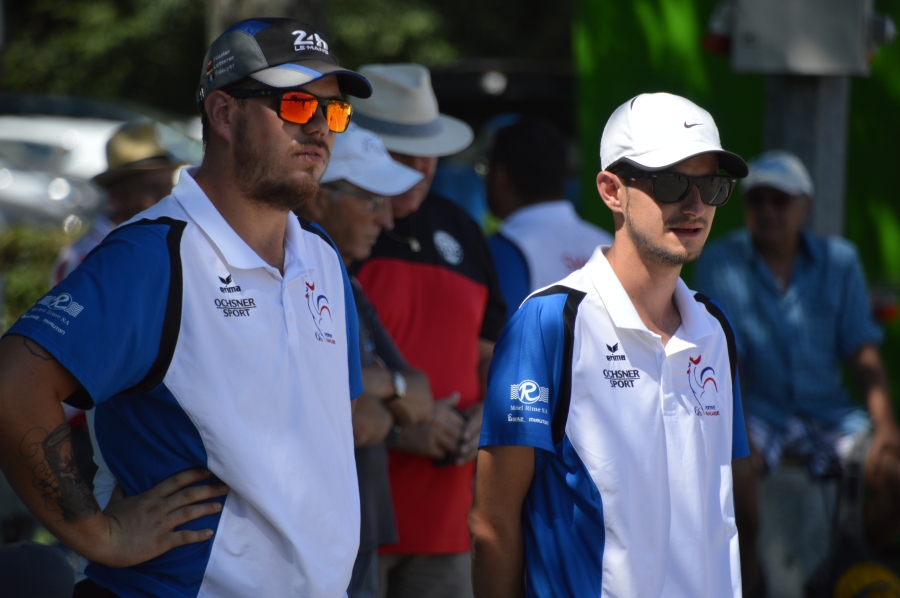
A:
[(667, 394), (290, 321)]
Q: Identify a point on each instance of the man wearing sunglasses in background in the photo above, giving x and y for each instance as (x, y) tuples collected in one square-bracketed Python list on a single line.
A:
[(613, 410), (216, 335), (353, 206), (800, 312)]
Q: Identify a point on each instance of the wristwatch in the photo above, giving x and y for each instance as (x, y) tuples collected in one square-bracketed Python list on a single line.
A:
[(399, 385)]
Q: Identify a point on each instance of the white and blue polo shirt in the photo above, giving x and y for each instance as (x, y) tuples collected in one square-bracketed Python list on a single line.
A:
[(196, 353), (632, 491)]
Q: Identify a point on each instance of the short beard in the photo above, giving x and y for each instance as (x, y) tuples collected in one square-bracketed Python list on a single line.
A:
[(651, 252), (258, 180)]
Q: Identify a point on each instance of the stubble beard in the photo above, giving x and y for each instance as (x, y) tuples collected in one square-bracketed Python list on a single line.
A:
[(655, 252), (261, 180)]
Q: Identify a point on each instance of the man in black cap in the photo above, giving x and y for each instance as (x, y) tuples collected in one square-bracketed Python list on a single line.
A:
[(216, 336)]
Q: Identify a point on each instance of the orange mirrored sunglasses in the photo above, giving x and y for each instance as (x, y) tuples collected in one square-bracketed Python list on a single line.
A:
[(300, 107)]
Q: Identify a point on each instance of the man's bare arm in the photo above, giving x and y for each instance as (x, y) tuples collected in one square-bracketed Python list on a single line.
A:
[(485, 355), (871, 379), (371, 421), (503, 477), (37, 458), (35, 440)]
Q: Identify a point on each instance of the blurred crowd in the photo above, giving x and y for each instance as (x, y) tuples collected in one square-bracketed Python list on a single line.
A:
[(433, 294)]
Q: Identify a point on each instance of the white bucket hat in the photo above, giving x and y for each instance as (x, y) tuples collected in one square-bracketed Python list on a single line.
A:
[(780, 170), (656, 130), (403, 111), (359, 157)]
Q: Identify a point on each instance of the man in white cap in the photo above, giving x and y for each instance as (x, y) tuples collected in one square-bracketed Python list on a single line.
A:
[(216, 337), (353, 206), (433, 283), (800, 311), (613, 410)]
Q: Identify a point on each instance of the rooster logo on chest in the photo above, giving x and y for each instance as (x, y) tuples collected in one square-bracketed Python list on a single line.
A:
[(705, 388), (318, 307)]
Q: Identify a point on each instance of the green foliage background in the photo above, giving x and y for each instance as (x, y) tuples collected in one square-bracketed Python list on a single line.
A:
[(622, 49), (150, 51), (26, 260)]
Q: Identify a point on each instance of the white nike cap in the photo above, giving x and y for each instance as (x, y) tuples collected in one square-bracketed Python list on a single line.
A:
[(654, 131), (780, 170), (359, 157)]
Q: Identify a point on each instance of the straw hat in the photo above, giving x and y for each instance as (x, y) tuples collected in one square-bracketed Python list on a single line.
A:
[(134, 147)]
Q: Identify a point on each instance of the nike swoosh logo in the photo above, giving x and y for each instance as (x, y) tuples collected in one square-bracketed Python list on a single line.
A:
[(687, 126)]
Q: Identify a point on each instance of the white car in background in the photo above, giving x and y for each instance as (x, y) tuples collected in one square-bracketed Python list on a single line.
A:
[(47, 161)]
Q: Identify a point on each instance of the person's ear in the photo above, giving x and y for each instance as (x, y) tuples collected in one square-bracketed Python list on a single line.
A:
[(220, 112), (612, 191)]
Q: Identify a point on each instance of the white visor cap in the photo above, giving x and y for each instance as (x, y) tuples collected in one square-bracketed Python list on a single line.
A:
[(780, 170), (359, 157), (656, 130)]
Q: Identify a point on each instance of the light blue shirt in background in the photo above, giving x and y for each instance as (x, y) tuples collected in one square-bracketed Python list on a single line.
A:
[(792, 345)]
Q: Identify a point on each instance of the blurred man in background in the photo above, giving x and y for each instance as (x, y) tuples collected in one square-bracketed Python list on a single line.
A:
[(801, 312), (433, 283), (140, 172), (353, 207), (542, 239)]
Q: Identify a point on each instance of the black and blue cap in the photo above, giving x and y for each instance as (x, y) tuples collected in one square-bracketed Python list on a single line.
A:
[(280, 53)]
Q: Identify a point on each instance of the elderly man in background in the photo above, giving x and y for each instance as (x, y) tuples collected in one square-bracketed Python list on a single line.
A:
[(353, 207), (541, 240), (800, 312), (433, 283)]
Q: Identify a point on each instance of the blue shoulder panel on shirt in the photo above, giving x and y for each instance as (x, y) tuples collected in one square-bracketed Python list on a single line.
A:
[(530, 379), (113, 322), (512, 272), (740, 447), (352, 317)]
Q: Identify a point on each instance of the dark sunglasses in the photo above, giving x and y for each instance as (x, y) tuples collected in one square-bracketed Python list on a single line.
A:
[(300, 107), (672, 187)]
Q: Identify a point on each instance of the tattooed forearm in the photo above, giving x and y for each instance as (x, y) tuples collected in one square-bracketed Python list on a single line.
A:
[(36, 350), (56, 475)]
